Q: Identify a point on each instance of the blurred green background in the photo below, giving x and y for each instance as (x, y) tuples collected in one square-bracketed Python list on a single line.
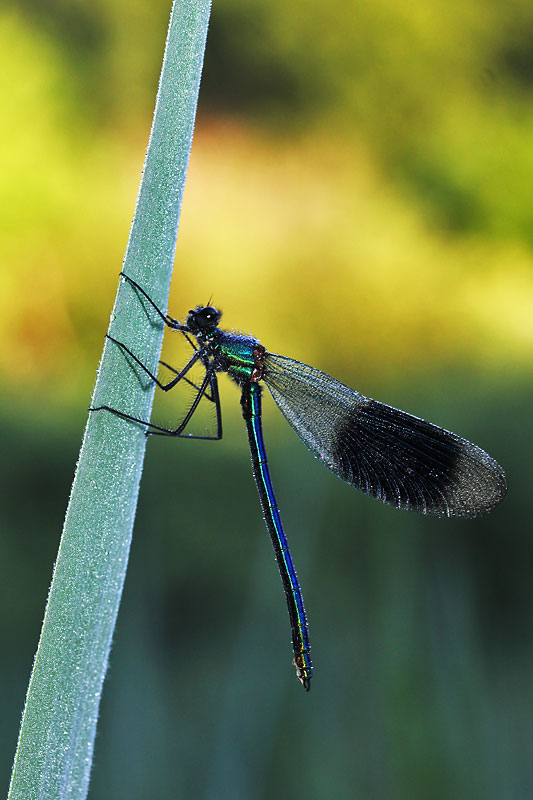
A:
[(360, 196)]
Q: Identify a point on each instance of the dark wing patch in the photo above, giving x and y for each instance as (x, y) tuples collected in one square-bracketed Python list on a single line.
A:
[(393, 456)]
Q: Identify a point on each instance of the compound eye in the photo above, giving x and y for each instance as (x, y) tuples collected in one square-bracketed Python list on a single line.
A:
[(208, 316), (205, 317)]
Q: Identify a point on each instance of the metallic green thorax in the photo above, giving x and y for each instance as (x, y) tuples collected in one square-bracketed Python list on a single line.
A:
[(235, 354)]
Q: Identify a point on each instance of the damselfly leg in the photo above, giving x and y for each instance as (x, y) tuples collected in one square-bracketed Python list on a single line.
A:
[(169, 321), (179, 374), (209, 381), (159, 430)]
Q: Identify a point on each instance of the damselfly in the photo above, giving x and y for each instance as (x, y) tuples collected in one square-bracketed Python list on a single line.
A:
[(393, 456)]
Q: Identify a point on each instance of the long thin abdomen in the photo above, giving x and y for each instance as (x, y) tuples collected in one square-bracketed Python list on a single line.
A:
[(251, 409)]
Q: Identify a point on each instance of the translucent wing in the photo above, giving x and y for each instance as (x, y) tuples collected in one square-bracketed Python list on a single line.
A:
[(391, 455)]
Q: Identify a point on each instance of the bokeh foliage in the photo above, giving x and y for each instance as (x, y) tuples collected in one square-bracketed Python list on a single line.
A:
[(379, 144), (360, 197)]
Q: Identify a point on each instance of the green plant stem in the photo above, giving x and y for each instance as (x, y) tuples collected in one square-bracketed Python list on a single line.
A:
[(55, 747)]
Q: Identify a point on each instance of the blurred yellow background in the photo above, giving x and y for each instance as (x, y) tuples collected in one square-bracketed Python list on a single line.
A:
[(360, 197), (385, 194)]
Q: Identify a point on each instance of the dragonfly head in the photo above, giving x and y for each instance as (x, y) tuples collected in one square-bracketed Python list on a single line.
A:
[(203, 320)]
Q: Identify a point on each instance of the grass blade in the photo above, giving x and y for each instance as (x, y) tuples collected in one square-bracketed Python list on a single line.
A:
[(54, 752)]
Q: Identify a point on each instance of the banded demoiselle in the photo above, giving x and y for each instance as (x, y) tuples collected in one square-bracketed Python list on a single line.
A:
[(389, 454)]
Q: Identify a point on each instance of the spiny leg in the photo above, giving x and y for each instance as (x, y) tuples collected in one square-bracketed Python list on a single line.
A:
[(167, 319), (216, 400), (194, 386), (158, 429), (209, 379), (164, 386)]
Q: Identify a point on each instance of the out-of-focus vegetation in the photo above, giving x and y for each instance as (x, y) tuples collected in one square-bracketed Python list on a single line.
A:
[(383, 154), (360, 197)]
